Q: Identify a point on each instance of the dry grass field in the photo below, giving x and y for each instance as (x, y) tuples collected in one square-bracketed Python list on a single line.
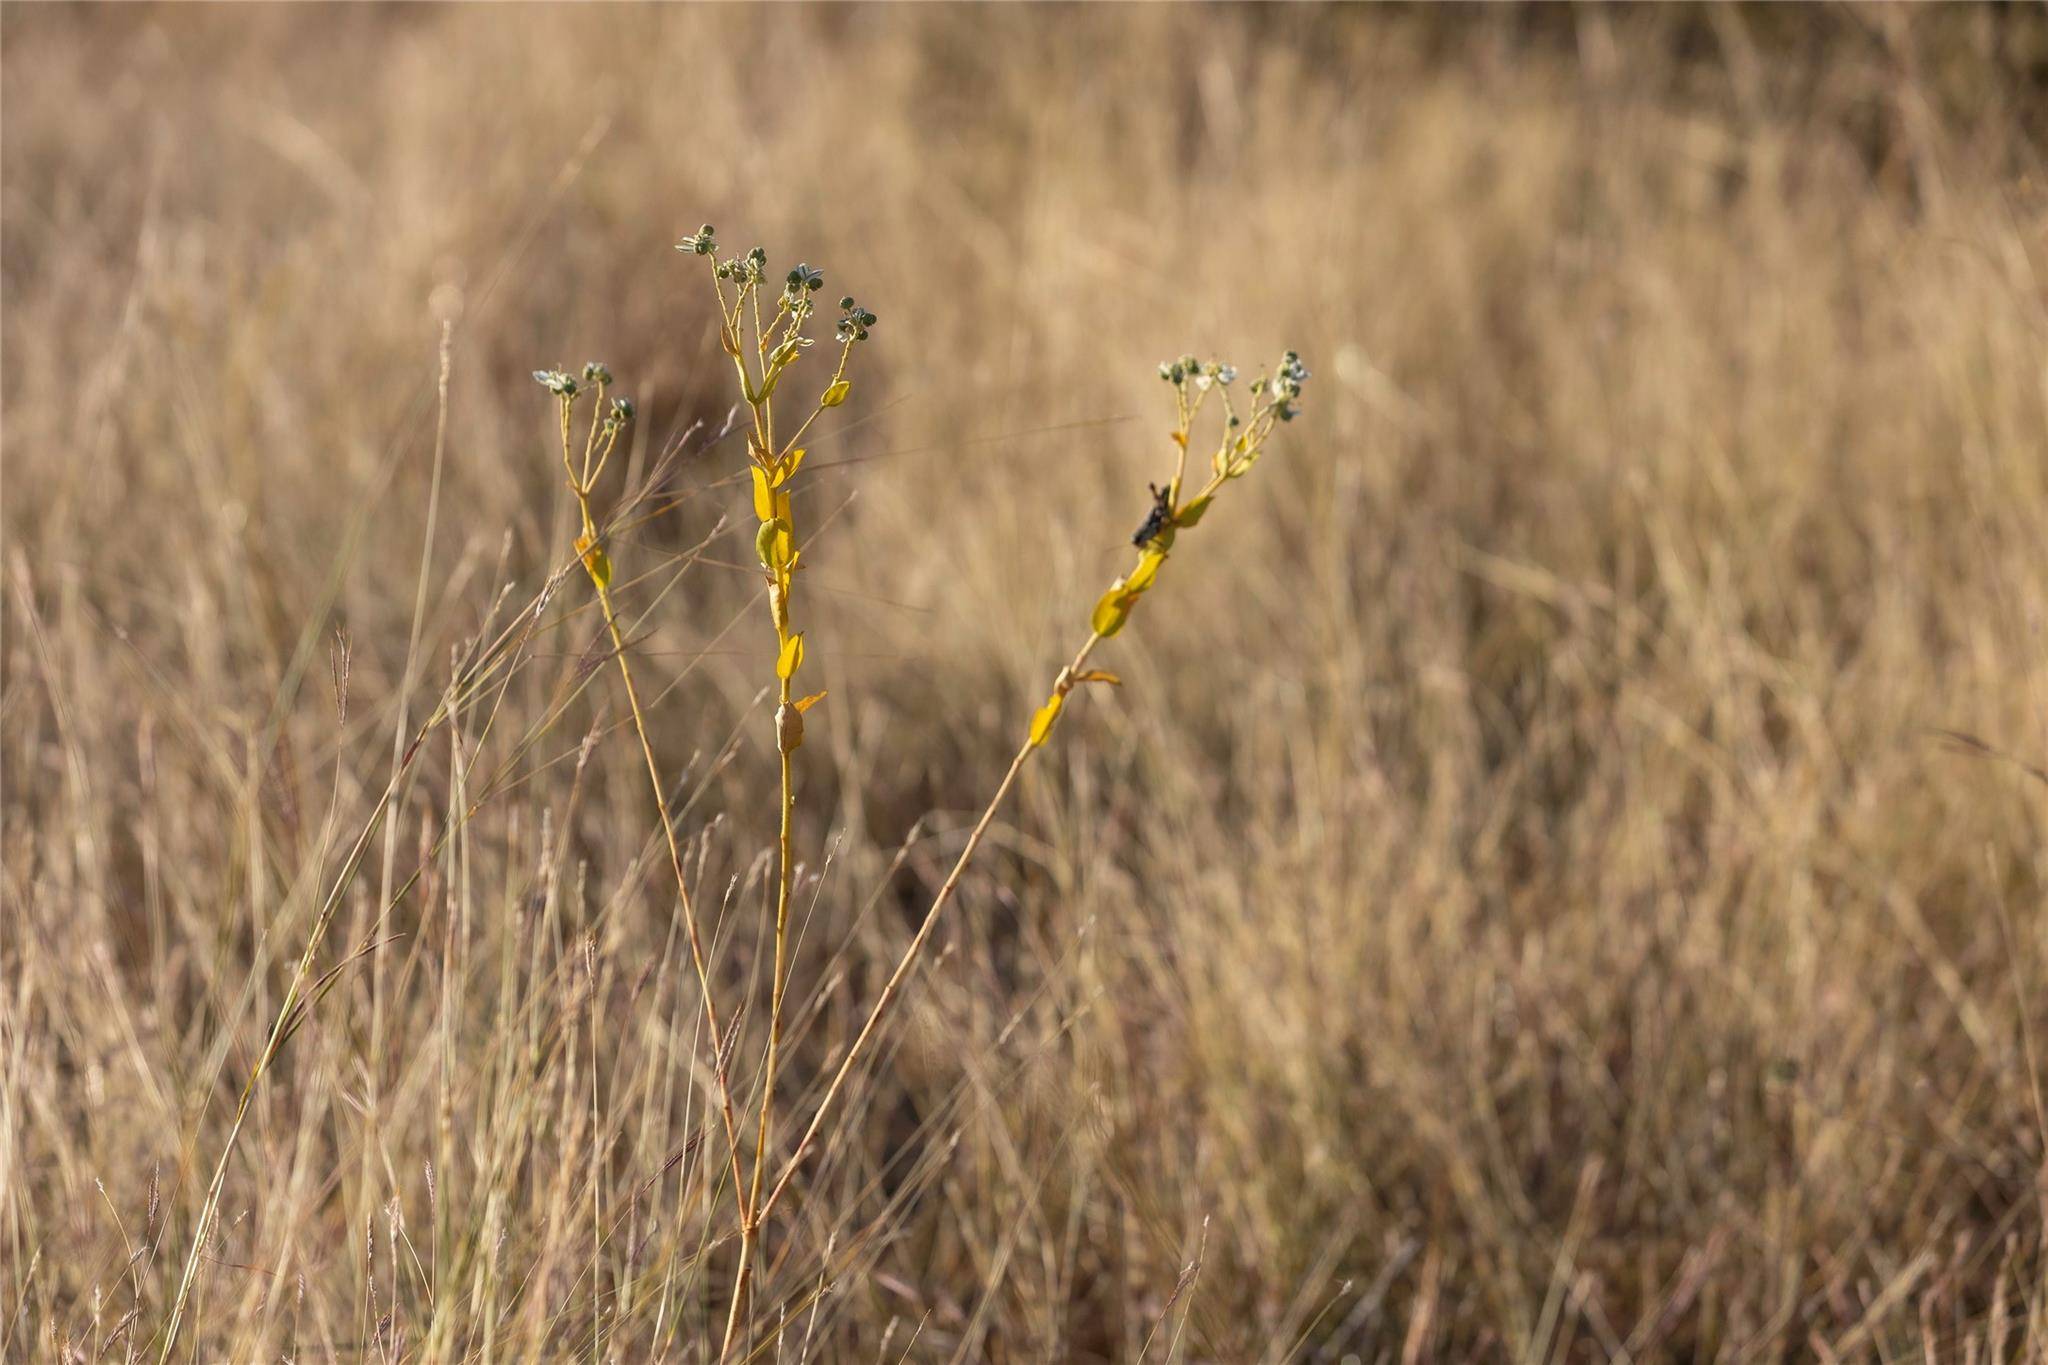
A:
[(1563, 878)]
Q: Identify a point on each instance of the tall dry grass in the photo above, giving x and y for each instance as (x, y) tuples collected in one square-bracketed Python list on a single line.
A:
[(1521, 906)]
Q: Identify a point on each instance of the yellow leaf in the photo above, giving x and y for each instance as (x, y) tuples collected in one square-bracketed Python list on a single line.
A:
[(1099, 675), (786, 470), (1041, 724), (595, 561), (1147, 570), (766, 542), (782, 504), (806, 703), (836, 395), (1112, 610), (1192, 513), (791, 658), (764, 499)]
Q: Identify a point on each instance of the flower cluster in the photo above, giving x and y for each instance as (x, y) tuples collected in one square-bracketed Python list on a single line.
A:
[(763, 349), (1286, 386), (1188, 368), (556, 382), (1173, 510), (597, 375), (606, 424), (751, 268), (802, 280), (854, 321)]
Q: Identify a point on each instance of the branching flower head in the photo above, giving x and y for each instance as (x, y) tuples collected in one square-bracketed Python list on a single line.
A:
[(1286, 384), (802, 281), (763, 349), (751, 268), (854, 321), (606, 425), (1274, 398)]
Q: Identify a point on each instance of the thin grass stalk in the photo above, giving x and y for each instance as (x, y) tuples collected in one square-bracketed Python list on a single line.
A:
[(597, 450)]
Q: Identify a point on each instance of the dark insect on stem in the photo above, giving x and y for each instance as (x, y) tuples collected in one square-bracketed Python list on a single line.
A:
[(1156, 520)]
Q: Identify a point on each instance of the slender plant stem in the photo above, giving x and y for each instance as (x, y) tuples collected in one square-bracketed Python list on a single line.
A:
[(894, 985), (591, 547), (675, 862), (785, 872)]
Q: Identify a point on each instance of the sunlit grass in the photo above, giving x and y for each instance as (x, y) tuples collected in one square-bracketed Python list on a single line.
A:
[(1559, 873)]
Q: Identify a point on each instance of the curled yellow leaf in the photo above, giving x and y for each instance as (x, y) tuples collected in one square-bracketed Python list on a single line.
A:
[(1147, 570), (836, 395), (1112, 611), (1041, 724), (766, 542), (791, 657), (1192, 513), (786, 469), (764, 497), (596, 562), (806, 703), (1099, 675)]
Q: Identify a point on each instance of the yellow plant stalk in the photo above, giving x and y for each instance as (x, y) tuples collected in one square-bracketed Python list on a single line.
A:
[(761, 360), (1275, 399), (763, 348)]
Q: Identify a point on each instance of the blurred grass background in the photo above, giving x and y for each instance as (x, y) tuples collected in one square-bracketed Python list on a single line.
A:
[(1522, 905)]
